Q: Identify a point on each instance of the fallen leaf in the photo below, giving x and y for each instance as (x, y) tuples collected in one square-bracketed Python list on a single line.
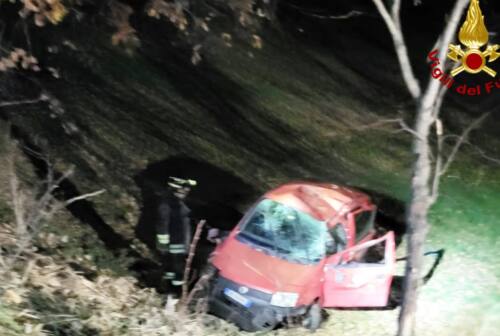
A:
[(10, 296)]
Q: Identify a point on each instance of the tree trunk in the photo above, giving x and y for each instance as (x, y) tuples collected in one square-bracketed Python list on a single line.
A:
[(420, 203), (422, 197)]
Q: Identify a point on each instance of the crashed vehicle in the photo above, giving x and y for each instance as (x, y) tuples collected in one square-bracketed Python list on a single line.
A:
[(301, 247)]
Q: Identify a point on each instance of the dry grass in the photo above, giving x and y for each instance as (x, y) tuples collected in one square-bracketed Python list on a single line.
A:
[(105, 305), (43, 294)]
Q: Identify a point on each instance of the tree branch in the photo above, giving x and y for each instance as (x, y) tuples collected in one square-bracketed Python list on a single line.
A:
[(439, 101), (404, 126), (346, 16), (351, 14), (444, 41), (439, 170), (187, 269), (396, 13), (439, 162), (451, 28), (41, 98), (482, 153), (376, 124), (84, 196), (461, 140), (394, 26)]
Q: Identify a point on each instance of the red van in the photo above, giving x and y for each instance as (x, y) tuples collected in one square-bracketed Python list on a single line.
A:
[(300, 248)]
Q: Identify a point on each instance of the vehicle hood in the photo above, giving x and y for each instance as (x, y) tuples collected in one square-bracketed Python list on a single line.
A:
[(248, 266)]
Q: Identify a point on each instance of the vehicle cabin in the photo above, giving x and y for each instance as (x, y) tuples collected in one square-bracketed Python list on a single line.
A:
[(302, 247)]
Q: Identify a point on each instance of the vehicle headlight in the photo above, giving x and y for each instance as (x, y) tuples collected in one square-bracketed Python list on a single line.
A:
[(282, 299)]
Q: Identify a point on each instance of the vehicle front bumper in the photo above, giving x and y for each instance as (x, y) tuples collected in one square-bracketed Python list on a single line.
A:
[(260, 315)]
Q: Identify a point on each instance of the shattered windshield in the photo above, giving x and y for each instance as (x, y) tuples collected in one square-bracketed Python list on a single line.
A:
[(285, 232)]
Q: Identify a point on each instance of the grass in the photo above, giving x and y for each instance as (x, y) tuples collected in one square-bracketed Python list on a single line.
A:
[(8, 326), (465, 222)]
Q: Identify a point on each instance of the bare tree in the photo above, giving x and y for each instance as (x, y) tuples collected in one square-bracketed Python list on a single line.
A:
[(425, 172), (32, 207)]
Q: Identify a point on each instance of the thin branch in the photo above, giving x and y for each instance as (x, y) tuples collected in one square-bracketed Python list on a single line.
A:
[(36, 154), (439, 170), (308, 12), (436, 46), (450, 31), (461, 140), (346, 16), (393, 24), (27, 35), (377, 124), (406, 128), (45, 200), (439, 162), (29, 216), (41, 213), (200, 284), (403, 126), (59, 206), (482, 153), (23, 102), (84, 196), (439, 101), (189, 261)]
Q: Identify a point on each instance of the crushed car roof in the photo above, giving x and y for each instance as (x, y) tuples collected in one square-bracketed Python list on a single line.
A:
[(320, 200)]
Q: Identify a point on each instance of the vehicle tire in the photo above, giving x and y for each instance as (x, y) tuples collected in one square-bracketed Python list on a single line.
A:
[(263, 326), (313, 317)]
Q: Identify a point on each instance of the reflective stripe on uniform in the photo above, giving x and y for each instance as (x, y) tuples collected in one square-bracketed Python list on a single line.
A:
[(177, 282), (163, 238), (169, 275), (177, 251), (177, 248)]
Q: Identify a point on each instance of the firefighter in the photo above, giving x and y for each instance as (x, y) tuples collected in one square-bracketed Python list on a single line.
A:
[(173, 235)]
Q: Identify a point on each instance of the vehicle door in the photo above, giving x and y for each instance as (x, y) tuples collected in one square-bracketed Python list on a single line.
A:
[(360, 283), (361, 225)]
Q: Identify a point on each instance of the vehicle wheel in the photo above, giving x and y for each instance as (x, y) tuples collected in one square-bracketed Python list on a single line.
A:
[(313, 317), (263, 326)]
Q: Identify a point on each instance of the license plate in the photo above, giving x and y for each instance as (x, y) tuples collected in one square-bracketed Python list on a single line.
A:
[(235, 296)]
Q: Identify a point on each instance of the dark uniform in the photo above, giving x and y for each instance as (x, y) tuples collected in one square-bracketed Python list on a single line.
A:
[(173, 236)]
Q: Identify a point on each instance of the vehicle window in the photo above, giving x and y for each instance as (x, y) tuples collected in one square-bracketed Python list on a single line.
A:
[(364, 223), (285, 232), (373, 254), (338, 239)]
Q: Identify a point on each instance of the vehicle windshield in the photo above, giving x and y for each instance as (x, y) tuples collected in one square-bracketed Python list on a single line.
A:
[(285, 232)]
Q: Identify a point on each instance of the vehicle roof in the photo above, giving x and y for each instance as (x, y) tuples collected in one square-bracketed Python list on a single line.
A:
[(323, 201)]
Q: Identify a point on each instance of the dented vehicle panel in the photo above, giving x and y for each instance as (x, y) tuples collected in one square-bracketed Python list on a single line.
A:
[(301, 247)]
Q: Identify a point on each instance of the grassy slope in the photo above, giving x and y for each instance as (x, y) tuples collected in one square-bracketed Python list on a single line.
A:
[(462, 298), (284, 113)]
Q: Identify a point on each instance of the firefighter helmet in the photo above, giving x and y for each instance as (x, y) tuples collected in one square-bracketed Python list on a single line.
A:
[(180, 183)]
